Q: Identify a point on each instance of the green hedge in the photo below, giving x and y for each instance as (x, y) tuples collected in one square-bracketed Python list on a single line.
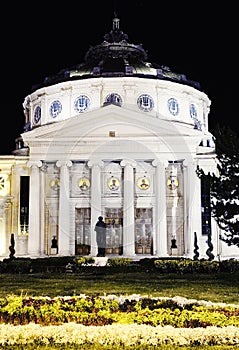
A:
[(80, 263)]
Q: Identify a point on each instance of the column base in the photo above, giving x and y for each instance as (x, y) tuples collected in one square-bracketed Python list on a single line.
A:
[(54, 251), (174, 251)]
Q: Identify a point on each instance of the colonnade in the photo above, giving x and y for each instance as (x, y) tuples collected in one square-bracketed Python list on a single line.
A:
[(66, 242)]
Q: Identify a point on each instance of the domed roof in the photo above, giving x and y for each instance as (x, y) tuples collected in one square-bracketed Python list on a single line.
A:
[(116, 57)]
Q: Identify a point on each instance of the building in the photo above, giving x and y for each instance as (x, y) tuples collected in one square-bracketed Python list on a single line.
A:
[(119, 137)]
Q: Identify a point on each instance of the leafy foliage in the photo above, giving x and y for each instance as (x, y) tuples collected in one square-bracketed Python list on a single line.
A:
[(224, 185), (102, 311)]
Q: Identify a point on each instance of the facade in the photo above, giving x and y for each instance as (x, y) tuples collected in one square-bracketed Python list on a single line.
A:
[(119, 137)]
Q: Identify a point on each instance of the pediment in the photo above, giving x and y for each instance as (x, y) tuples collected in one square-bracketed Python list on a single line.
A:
[(111, 129), (110, 119)]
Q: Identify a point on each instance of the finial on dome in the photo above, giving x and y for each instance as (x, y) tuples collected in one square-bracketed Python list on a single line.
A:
[(116, 23)]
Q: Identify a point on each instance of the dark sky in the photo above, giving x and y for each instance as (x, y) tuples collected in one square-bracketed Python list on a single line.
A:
[(195, 38)]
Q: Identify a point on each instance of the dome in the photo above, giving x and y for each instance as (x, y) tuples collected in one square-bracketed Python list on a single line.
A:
[(116, 57), (117, 72)]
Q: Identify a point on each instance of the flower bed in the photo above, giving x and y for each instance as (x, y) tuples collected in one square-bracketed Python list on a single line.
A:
[(106, 310), (117, 321), (118, 335)]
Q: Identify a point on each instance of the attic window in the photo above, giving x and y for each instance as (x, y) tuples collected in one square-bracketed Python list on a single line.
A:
[(111, 133), (114, 99)]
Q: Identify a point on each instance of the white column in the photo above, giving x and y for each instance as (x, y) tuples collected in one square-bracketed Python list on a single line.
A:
[(64, 209), (96, 207), (43, 231), (160, 210), (5, 227), (34, 242), (128, 206), (193, 206)]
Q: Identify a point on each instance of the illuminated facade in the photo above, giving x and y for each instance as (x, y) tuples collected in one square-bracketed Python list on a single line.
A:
[(118, 137)]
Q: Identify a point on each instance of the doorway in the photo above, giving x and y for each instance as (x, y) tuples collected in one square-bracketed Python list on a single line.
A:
[(114, 231), (143, 231), (83, 231)]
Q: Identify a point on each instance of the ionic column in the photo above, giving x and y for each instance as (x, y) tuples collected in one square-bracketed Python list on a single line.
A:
[(64, 238), (34, 242), (193, 206), (5, 226), (96, 207), (128, 208), (160, 209)]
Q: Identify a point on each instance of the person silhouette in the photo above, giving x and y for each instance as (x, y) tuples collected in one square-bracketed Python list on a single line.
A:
[(100, 229)]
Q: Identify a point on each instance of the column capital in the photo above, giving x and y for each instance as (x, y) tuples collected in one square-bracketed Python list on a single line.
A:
[(32, 163), (190, 164), (158, 163), (130, 162), (61, 163), (97, 162)]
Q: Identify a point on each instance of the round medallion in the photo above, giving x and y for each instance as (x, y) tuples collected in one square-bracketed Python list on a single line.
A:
[(113, 183), (55, 108), (55, 184), (37, 114), (145, 102), (84, 183), (172, 182), (82, 103), (143, 183), (193, 111), (173, 106)]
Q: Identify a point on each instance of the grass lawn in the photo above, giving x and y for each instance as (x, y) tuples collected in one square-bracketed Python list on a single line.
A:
[(215, 287)]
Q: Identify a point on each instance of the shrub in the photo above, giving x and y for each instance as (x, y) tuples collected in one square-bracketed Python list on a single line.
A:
[(118, 262)]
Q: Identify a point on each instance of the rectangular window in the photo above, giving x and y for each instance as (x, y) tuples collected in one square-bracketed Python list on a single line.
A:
[(205, 205), (24, 205)]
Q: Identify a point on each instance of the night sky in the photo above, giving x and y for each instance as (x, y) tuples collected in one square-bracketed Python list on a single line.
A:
[(194, 38)]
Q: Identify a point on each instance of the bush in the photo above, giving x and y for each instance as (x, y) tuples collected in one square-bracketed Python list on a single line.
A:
[(16, 265), (118, 262)]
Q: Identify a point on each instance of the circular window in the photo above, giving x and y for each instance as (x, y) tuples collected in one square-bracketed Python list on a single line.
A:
[(193, 111), (37, 114), (173, 106), (145, 102), (55, 108), (82, 103)]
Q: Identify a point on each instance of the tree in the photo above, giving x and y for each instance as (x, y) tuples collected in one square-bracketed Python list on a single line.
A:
[(224, 186)]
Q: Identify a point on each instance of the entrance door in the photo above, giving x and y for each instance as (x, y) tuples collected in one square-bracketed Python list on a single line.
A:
[(114, 231), (83, 229), (143, 231)]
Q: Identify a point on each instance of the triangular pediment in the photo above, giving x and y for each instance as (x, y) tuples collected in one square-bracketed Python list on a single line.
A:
[(99, 122), (108, 124)]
